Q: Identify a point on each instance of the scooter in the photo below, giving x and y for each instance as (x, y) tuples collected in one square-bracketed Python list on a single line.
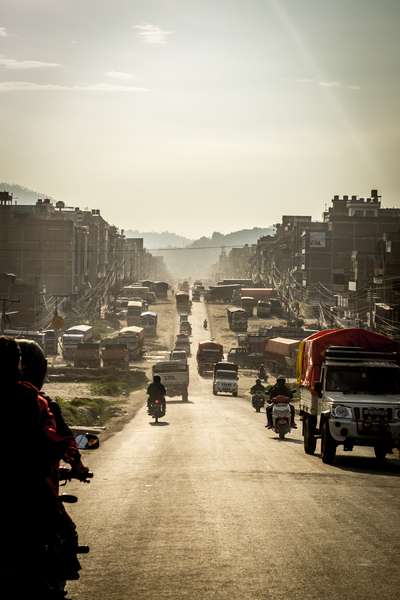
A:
[(258, 401), (281, 416), (156, 409)]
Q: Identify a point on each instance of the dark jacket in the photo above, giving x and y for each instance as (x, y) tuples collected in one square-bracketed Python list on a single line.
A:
[(280, 390), (156, 391)]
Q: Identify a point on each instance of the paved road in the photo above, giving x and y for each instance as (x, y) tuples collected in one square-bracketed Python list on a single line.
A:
[(210, 505)]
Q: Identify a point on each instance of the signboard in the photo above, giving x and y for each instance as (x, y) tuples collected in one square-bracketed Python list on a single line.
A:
[(317, 239)]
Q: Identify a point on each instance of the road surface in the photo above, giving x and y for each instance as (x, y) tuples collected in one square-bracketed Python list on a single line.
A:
[(211, 505)]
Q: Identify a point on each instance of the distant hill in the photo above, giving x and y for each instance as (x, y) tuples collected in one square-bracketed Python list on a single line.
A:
[(154, 239), (190, 262), (22, 195)]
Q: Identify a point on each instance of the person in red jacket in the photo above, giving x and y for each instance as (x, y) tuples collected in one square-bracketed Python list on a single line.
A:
[(33, 370)]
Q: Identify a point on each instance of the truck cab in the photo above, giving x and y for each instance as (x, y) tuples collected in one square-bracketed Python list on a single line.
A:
[(225, 378)]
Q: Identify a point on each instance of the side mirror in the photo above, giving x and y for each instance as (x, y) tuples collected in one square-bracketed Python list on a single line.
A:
[(318, 388), (87, 441)]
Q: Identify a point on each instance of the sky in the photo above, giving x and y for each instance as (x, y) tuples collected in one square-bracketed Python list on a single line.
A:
[(197, 116)]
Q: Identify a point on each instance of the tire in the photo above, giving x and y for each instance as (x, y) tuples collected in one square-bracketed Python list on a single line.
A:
[(380, 453), (185, 396), (155, 419), (215, 391), (310, 441), (258, 409), (328, 444), (234, 394), (281, 435)]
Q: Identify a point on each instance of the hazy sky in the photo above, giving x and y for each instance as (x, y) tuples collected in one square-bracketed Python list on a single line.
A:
[(200, 115)]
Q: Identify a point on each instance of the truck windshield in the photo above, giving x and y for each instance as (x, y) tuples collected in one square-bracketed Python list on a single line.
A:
[(363, 380), (226, 374)]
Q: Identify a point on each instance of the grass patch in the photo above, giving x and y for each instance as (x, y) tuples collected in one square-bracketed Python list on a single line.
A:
[(89, 411), (126, 382)]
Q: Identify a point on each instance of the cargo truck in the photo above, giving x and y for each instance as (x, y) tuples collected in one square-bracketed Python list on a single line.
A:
[(208, 354), (349, 391), (174, 376)]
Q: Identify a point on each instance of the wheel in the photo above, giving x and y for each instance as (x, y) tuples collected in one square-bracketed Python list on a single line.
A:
[(214, 391), (155, 419), (258, 409), (281, 435), (328, 444), (234, 394), (185, 396), (310, 441), (380, 452)]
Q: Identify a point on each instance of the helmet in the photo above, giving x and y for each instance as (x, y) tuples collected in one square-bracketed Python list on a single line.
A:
[(281, 378), (33, 362), (9, 359), (258, 380), (157, 379)]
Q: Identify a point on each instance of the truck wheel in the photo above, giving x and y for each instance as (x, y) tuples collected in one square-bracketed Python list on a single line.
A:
[(310, 441), (328, 444), (234, 394), (380, 452), (185, 396), (214, 391), (281, 435)]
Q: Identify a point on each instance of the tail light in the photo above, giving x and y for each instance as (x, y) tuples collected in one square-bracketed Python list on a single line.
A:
[(157, 402)]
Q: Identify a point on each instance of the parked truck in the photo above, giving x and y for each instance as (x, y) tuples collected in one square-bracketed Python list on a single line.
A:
[(87, 355), (237, 318), (208, 353), (116, 356), (182, 302), (349, 391), (174, 376)]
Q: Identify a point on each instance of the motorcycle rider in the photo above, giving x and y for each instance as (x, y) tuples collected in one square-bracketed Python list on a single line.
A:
[(156, 391), (257, 388), (279, 389), (205, 324)]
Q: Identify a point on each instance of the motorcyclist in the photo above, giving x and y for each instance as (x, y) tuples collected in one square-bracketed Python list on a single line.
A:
[(205, 324), (257, 388), (279, 389), (262, 373), (156, 391)]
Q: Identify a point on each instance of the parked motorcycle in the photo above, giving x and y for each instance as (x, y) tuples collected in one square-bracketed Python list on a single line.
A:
[(258, 401), (281, 416), (157, 409)]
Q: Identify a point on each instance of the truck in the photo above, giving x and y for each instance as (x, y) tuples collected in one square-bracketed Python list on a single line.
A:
[(132, 337), (208, 354), (258, 293), (225, 378), (174, 376), (349, 391), (148, 320), (73, 336), (134, 310), (237, 318), (281, 354), (221, 293), (183, 343), (263, 309), (241, 357), (115, 355), (248, 304), (182, 302), (87, 355)]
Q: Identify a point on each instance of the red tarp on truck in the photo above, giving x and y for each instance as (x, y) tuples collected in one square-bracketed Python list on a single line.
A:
[(312, 350)]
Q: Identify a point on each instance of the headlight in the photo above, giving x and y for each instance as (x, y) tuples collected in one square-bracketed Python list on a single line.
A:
[(341, 412)]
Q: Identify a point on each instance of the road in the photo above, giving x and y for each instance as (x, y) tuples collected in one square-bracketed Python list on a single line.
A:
[(210, 504)]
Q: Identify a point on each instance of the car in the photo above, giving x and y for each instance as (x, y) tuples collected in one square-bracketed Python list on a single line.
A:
[(178, 355)]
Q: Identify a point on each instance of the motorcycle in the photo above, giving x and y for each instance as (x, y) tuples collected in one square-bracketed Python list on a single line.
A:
[(205, 324), (258, 401), (156, 409), (281, 416)]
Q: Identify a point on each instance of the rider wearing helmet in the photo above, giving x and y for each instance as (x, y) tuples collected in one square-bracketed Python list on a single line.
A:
[(156, 391), (257, 388), (279, 389)]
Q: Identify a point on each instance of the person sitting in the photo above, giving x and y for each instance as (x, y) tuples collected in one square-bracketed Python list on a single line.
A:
[(280, 389), (156, 391)]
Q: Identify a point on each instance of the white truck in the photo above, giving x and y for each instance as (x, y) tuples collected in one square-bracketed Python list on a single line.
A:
[(225, 378), (174, 376), (350, 392)]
